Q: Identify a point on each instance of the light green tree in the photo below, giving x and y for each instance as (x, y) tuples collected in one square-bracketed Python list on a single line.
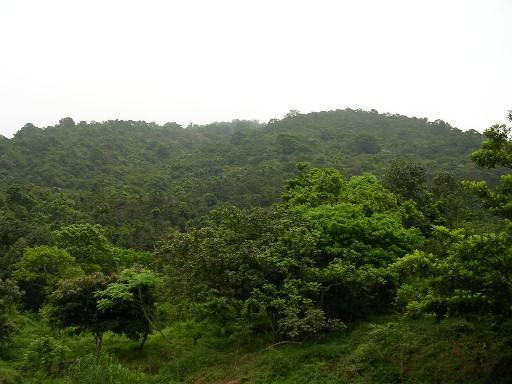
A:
[(39, 270)]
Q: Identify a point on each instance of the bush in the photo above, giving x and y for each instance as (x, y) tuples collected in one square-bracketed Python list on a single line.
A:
[(46, 355)]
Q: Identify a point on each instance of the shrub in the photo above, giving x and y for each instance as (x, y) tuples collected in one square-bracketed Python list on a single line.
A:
[(46, 355)]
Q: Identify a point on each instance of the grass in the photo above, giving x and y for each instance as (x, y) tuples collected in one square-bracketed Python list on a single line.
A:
[(387, 349)]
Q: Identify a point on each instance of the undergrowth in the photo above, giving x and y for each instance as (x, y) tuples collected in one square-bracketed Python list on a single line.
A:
[(386, 350)]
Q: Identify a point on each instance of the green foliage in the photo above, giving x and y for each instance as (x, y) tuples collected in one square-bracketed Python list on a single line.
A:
[(496, 151), (137, 179), (247, 262), (192, 364), (47, 263), (333, 252), (9, 296), (287, 369), (96, 303), (103, 369), (74, 304), (465, 273), (125, 258), (470, 275), (382, 351), (28, 214), (88, 245), (499, 199), (45, 355), (455, 205), (365, 143), (318, 259), (406, 179), (39, 270), (130, 300), (361, 230), (313, 187)]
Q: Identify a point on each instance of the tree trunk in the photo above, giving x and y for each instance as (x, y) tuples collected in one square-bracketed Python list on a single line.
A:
[(99, 339), (273, 322), (144, 338)]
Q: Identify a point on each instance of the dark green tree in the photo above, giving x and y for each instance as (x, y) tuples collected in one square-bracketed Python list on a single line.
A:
[(130, 300), (242, 264), (74, 304), (407, 179)]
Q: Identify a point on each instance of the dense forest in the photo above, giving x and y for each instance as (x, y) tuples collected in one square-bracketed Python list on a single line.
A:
[(344, 246)]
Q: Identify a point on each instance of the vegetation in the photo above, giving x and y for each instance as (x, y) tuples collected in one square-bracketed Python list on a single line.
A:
[(342, 246)]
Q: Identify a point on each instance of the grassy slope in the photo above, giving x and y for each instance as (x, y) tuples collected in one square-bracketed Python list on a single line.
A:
[(386, 350)]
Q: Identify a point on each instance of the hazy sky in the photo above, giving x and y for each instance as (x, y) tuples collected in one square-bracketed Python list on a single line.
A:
[(212, 60)]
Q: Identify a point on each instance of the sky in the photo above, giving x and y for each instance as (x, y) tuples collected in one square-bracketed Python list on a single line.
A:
[(203, 61)]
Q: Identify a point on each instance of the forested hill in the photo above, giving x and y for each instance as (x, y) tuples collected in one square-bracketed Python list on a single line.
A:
[(132, 175)]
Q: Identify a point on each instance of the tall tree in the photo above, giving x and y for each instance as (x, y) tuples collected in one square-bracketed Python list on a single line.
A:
[(74, 304), (130, 300)]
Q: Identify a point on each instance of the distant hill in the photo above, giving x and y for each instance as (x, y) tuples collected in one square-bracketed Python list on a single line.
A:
[(138, 177)]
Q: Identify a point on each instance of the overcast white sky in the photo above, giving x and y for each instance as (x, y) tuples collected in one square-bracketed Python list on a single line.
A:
[(202, 61)]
